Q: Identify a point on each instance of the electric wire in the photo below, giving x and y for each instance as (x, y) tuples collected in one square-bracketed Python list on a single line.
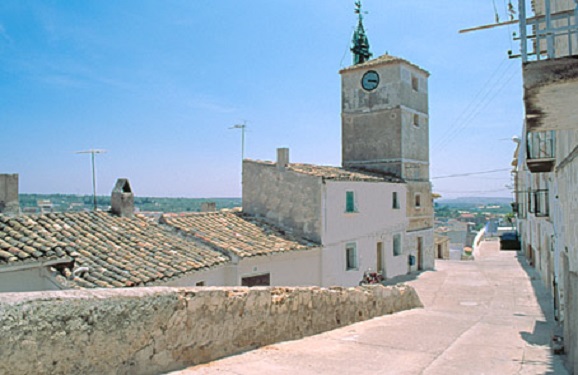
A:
[(471, 173)]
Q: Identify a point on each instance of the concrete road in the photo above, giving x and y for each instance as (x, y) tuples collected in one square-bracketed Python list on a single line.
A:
[(488, 316)]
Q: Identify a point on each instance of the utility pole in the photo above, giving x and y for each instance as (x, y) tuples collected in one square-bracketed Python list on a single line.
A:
[(242, 127), (92, 152)]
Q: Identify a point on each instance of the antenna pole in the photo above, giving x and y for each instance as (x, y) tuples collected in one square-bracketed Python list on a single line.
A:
[(92, 152)]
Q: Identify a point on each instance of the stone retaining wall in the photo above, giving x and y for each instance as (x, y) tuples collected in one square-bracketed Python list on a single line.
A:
[(156, 330)]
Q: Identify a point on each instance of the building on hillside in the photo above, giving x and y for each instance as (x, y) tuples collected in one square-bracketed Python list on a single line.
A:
[(546, 167), (376, 211)]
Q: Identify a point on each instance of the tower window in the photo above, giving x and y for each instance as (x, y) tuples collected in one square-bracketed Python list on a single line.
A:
[(417, 201), (414, 83), (416, 120)]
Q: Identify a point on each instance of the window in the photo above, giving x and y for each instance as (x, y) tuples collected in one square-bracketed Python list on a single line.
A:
[(417, 201), (541, 203), (414, 83), (349, 201), (394, 200), (200, 283), (397, 244), (259, 280), (379, 267), (351, 257), (416, 120), (530, 202)]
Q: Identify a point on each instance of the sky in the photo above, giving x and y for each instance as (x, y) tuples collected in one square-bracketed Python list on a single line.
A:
[(158, 85)]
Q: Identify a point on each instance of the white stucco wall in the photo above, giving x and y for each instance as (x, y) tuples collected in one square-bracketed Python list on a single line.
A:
[(295, 268), (374, 221)]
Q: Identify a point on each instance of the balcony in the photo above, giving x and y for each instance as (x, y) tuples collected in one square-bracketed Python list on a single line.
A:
[(541, 156)]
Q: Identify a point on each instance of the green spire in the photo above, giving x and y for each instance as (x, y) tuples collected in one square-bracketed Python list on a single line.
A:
[(360, 43)]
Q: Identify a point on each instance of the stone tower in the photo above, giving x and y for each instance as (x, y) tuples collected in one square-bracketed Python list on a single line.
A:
[(385, 118), (385, 129)]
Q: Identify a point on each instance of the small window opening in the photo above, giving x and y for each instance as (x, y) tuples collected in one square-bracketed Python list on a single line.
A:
[(349, 201), (395, 201), (417, 201), (396, 244), (416, 120), (414, 83)]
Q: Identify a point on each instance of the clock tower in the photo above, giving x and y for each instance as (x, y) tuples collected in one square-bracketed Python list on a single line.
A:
[(385, 127)]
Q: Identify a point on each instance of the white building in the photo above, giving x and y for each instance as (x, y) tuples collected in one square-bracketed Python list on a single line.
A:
[(546, 165), (375, 212)]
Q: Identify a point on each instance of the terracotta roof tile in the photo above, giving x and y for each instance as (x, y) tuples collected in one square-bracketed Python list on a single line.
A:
[(335, 173), (117, 251), (382, 60), (235, 232)]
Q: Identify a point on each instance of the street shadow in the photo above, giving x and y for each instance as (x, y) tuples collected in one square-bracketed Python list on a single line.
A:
[(403, 278), (542, 331)]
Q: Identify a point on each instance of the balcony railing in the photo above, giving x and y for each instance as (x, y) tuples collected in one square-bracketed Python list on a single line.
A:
[(541, 152), (542, 35)]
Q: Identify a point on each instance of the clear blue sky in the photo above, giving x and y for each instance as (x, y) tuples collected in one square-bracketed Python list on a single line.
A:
[(158, 84)]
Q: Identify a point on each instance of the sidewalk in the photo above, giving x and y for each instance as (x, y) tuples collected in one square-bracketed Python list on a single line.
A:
[(486, 316)]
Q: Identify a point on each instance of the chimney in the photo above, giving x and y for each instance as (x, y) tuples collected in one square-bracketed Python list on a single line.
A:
[(9, 203), (208, 207), (282, 158), (122, 199)]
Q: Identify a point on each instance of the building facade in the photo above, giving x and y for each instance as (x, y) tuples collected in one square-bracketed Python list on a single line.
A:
[(546, 166)]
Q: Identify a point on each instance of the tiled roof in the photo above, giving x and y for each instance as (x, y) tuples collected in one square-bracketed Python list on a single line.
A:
[(118, 251), (243, 235), (335, 173), (382, 60)]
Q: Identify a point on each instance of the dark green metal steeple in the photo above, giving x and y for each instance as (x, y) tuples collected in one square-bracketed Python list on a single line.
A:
[(360, 43)]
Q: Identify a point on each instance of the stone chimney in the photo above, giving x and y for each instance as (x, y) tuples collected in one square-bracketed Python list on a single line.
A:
[(9, 203), (208, 207), (282, 158), (122, 199)]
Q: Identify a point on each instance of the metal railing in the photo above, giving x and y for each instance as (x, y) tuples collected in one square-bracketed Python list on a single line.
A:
[(545, 30)]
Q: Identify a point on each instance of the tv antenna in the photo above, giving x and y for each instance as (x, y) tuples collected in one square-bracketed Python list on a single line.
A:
[(243, 127), (92, 152)]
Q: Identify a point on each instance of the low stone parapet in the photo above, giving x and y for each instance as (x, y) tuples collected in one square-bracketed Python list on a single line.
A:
[(156, 330)]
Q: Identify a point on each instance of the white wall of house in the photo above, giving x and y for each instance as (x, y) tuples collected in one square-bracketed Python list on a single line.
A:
[(373, 221), (216, 276), (292, 268)]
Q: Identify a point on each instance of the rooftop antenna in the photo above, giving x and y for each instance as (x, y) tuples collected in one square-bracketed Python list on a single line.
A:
[(92, 152), (242, 127)]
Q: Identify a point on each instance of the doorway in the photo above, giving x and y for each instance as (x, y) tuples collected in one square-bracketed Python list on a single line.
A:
[(380, 268)]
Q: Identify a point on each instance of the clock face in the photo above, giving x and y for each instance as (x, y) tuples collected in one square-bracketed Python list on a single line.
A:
[(370, 80)]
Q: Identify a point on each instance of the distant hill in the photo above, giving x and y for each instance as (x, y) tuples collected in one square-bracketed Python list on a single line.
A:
[(71, 203), (476, 201)]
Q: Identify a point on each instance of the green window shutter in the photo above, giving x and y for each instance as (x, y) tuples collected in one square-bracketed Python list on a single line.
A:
[(349, 202)]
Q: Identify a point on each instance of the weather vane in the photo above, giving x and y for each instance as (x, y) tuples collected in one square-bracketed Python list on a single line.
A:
[(360, 43)]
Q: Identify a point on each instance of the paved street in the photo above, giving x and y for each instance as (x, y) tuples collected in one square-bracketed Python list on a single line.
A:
[(488, 316)]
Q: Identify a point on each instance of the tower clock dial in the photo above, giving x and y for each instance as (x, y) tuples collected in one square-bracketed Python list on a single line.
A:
[(370, 80)]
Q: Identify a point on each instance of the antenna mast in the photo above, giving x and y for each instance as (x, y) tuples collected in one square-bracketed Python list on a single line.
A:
[(92, 152)]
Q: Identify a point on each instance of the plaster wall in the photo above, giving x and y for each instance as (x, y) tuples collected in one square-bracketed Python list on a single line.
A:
[(295, 268), (287, 199), (157, 330), (374, 221), (421, 217), (427, 259), (27, 280), (217, 276)]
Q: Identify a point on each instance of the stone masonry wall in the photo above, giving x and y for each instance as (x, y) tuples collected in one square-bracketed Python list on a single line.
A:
[(156, 330)]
